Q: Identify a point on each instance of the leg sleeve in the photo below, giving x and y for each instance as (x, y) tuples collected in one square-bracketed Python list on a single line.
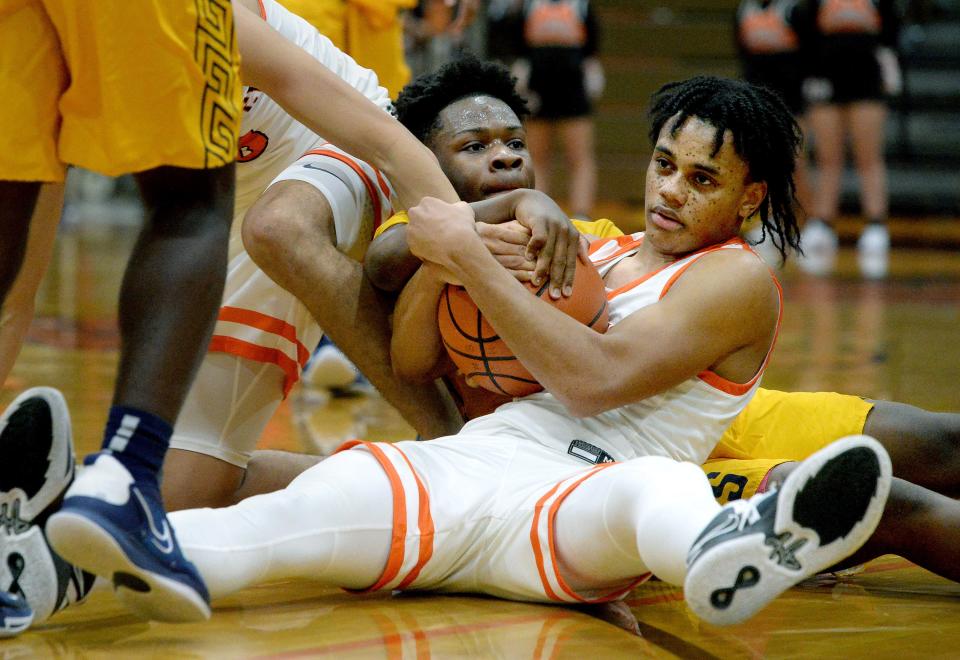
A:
[(333, 524), (637, 516)]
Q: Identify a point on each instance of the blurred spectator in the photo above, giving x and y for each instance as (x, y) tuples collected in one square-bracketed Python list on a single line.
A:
[(370, 31), (768, 42), (853, 68), (437, 31), (561, 75)]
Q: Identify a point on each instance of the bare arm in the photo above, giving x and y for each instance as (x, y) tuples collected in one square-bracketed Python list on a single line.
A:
[(698, 326), (416, 349), (329, 106)]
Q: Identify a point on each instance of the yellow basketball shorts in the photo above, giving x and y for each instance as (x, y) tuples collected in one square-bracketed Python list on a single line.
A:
[(116, 86), (777, 427)]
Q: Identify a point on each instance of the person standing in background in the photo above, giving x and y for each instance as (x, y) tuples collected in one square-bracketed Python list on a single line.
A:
[(562, 76), (370, 31), (769, 45), (854, 67)]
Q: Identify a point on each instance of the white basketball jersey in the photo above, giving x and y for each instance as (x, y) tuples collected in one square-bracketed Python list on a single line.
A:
[(683, 423), (270, 139)]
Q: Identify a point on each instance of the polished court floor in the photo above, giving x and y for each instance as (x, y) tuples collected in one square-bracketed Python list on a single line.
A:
[(896, 339)]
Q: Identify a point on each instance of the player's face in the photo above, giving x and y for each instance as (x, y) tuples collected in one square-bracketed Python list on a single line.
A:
[(482, 148), (694, 197)]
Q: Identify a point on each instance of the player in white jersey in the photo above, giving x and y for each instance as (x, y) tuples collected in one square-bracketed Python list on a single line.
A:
[(503, 507), (291, 178)]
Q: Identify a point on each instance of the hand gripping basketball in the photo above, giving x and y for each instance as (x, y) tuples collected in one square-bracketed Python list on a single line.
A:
[(485, 359)]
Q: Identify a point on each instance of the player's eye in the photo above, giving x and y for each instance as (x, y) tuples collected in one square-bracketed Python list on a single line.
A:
[(519, 145), (473, 147), (662, 163), (703, 180)]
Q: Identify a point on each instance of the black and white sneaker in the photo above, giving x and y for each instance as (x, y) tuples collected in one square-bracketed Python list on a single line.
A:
[(756, 549), (36, 467)]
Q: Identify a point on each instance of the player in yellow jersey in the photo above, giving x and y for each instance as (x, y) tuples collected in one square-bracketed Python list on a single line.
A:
[(149, 88)]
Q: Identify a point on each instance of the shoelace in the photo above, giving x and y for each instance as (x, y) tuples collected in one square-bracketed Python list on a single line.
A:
[(10, 519)]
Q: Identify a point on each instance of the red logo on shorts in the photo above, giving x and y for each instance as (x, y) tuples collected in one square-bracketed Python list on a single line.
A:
[(252, 144)]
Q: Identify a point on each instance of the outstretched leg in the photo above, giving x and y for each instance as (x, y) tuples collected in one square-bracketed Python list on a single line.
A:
[(333, 523)]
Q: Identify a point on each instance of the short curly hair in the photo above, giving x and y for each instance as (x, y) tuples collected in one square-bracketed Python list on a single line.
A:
[(765, 135), (420, 103)]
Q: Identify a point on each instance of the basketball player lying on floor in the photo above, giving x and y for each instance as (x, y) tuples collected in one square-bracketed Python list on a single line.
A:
[(774, 430), (501, 508)]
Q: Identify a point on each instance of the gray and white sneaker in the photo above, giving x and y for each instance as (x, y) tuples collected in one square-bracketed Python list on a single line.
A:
[(756, 549), (36, 467)]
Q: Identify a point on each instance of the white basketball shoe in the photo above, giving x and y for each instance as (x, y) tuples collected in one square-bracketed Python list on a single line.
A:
[(756, 549), (36, 467)]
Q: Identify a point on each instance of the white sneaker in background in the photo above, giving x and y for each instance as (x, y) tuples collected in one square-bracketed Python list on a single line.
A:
[(330, 369), (819, 244), (873, 251), (764, 246)]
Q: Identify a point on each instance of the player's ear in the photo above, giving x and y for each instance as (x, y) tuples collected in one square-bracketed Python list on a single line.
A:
[(753, 197)]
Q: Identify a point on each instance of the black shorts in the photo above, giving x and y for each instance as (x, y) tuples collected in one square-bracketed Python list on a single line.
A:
[(557, 79), (846, 80), (780, 73)]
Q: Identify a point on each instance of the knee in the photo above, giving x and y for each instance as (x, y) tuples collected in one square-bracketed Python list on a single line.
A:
[(267, 229)]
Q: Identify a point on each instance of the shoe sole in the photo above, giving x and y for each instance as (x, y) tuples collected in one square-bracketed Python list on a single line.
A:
[(833, 501), (36, 492), (83, 542), (11, 626)]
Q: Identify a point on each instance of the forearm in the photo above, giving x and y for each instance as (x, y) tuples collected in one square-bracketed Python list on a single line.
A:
[(330, 107), (416, 348), (389, 263)]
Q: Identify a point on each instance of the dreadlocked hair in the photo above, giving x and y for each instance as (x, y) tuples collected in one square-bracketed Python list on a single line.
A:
[(420, 103), (765, 135)]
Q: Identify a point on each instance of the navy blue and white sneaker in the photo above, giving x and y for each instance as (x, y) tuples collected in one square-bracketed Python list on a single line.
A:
[(115, 527), (15, 614), (36, 468), (756, 549)]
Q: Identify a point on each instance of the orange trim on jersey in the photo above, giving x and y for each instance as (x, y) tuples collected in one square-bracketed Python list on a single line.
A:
[(367, 183), (246, 350), (712, 378), (424, 523), (266, 323), (684, 267), (551, 539), (399, 535), (535, 542), (263, 10)]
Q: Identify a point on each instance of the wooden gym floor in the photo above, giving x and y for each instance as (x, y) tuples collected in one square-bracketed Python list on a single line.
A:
[(895, 339)]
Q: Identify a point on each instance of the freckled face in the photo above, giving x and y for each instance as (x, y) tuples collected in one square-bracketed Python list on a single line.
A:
[(695, 198), (482, 148)]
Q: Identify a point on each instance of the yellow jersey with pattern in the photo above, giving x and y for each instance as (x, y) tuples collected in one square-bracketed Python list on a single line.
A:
[(117, 86)]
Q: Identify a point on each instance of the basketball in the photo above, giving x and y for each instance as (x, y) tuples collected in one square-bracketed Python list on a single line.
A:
[(485, 359)]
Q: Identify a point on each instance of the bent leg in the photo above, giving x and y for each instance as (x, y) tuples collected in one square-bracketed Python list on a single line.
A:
[(17, 202), (173, 285), (333, 523), (229, 404), (17, 310), (924, 446), (290, 234), (634, 517)]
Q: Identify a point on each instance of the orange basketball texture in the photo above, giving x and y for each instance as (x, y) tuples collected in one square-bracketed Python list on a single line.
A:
[(484, 358)]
